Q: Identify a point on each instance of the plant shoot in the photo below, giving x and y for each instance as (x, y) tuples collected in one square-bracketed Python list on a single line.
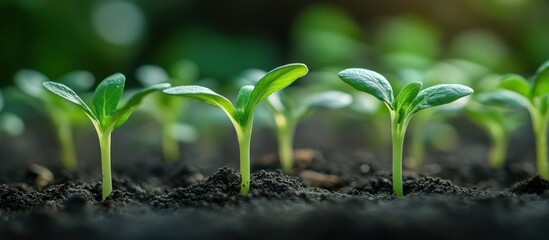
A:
[(105, 114), (241, 114), (409, 101)]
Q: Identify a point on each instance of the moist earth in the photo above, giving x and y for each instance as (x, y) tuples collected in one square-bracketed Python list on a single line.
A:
[(175, 201)]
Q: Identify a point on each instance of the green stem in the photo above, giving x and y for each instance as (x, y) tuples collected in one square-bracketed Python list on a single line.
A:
[(285, 130), (66, 145), (540, 132), (497, 153), (398, 131), (105, 145), (244, 139), (170, 146)]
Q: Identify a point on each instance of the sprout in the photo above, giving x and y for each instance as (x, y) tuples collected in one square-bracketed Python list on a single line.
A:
[(498, 123), (241, 115), (409, 101), (60, 114), (105, 114), (167, 110), (287, 114), (534, 96)]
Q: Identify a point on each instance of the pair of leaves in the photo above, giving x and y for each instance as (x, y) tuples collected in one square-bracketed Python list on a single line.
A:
[(539, 87), (517, 91), (249, 96), (105, 100), (411, 98)]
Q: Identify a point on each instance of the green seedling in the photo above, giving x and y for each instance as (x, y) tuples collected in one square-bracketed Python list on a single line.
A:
[(288, 113), (241, 114), (534, 96), (498, 124), (168, 110), (289, 109), (409, 101), (61, 116), (105, 114)]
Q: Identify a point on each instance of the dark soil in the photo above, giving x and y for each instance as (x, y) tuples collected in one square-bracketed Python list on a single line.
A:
[(335, 193), (178, 204)]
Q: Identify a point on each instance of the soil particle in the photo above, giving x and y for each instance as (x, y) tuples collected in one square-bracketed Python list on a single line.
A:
[(534, 185)]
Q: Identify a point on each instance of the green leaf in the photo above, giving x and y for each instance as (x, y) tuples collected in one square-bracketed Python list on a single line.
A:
[(407, 95), (369, 82), (516, 83), (439, 95), (505, 98), (205, 95), (107, 95), (30, 82), (68, 94), (124, 112), (541, 80), (242, 101), (275, 80)]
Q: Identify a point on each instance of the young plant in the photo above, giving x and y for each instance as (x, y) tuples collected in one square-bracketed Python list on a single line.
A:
[(167, 110), (241, 114), (534, 96), (287, 114), (61, 116), (289, 108), (105, 114), (498, 124), (409, 101)]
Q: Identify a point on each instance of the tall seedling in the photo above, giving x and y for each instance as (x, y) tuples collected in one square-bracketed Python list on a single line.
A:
[(409, 101), (105, 114), (241, 114), (534, 96), (167, 110), (61, 116)]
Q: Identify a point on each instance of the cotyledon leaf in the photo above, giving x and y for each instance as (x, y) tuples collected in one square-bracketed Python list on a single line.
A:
[(370, 82), (405, 98), (504, 97), (275, 80), (203, 94), (516, 83), (541, 80), (68, 94), (107, 95), (439, 95)]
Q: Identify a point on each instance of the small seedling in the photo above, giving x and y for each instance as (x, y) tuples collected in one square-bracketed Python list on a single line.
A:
[(241, 114), (60, 115), (105, 114), (409, 101), (498, 124), (288, 113), (289, 109), (167, 110), (534, 96)]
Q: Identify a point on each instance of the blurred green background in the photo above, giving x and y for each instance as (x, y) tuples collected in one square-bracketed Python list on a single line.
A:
[(225, 37)]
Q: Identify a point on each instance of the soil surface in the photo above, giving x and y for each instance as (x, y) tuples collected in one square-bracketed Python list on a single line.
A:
[(173, 201), (337, 192)]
